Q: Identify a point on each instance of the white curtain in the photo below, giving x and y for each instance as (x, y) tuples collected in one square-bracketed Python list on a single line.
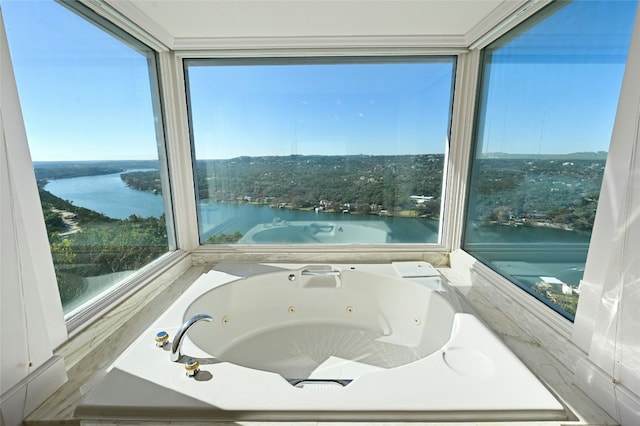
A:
[(607, 323)]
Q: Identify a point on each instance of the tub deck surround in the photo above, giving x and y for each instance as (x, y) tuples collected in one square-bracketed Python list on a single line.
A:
[(458, 372)]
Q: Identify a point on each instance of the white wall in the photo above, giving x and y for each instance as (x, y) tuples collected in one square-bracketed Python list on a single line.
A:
[(31, 318)]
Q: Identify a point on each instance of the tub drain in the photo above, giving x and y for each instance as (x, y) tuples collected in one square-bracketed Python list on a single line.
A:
[(319, 383)]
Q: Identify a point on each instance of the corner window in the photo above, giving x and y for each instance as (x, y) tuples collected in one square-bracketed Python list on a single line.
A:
[(90, 105), (320, 151), (549, 93)]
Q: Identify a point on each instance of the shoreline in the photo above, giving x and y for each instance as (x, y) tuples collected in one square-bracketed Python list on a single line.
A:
[(70, 220)]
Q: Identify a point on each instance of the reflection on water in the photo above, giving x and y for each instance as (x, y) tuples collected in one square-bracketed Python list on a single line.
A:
[(264, 224), (323, 232)]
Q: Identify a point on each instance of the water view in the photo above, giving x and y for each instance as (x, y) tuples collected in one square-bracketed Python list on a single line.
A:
[(232, 209), (107, 194)]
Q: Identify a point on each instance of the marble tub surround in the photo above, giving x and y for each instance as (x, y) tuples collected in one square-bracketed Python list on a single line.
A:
[(540, 337), (89, 353), (92, 350)]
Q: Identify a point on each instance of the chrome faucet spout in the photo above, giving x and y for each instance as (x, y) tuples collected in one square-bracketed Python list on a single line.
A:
[(177, 341)]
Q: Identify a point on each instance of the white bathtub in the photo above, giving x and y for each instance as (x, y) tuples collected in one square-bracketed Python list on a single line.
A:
[(365, 342)]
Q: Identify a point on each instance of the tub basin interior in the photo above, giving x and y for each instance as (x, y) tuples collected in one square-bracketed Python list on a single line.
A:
[(303, 326)]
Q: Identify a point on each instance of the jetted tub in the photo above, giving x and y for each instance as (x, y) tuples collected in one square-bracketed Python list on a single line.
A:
[(322, 342)]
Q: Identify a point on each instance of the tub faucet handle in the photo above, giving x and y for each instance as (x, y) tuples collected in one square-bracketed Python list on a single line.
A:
[(177, 341)]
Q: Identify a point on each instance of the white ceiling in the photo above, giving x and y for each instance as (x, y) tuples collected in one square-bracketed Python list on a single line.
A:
[(180, 21)]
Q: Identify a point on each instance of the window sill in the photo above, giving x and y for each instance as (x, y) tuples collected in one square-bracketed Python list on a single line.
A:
[(209, 254), (484, 280)]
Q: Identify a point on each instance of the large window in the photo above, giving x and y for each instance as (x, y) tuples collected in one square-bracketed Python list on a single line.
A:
[(549, 94), (320, 151), (89, 101)]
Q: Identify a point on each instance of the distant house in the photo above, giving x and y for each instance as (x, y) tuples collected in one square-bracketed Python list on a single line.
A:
[(420, 199), (556, 284)]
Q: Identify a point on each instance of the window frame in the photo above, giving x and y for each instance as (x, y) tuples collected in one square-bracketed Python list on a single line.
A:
[(170, 54), (79, 318), (553, 314), (369, 252)]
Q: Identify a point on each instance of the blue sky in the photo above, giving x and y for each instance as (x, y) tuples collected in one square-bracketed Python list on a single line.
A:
[(76, 104), (321, 109), (555, 88), (85, 95)]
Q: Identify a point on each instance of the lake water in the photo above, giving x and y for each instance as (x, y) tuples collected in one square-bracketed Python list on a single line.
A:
[(109, 195)]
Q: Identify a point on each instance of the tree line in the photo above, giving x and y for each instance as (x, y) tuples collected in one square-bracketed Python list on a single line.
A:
[(543, 190), (559, 190)]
